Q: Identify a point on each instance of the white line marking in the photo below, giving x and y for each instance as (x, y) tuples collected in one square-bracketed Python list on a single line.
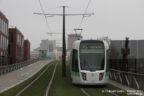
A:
[(32, 82), (50, 83), (84, 92)]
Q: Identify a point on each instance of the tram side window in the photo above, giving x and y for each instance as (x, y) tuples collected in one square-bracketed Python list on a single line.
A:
[(108, 61), (75, 61)]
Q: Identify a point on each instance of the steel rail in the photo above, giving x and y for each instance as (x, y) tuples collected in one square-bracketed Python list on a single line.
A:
[(50, 83), (85, 92), (20, 92)]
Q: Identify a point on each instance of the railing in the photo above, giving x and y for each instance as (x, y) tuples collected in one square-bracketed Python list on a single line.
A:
[(10, 68), (133, 76), (133, 80)]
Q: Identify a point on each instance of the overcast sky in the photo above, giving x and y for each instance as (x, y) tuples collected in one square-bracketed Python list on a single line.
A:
[(113, 18)]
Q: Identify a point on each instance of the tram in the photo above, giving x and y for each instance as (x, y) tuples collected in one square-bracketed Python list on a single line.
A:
[(89, 62)]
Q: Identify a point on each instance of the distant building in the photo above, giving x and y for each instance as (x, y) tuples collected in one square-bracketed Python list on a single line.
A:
[(58, 53), (42, 53), (49, 45), (72, 38), (3, 40), (26, 50), (16, 46), (35, 53), (46, 49)]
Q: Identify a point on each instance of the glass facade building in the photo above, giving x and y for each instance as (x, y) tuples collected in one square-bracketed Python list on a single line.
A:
[(3, 40)]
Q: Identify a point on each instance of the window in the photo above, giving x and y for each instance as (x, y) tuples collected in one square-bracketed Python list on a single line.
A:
[(92, 55), (108, 61), (75, 67), (19, 51), (6, 44), (0, 25), (0, 59), (7, 29), (3, 42), (4, 27), (11, 37), (22, 42), (18, 40), (0, 42)]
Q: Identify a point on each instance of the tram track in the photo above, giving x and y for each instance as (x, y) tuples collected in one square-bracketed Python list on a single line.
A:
[(37, 78), (50, 77), (84, 92), (50, 83)]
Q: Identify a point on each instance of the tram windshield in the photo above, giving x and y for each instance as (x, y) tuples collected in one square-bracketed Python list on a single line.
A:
[(92, 56)]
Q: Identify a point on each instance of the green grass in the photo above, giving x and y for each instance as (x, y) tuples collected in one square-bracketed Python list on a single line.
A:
[(62, 86), (39, 87), (13, 91)]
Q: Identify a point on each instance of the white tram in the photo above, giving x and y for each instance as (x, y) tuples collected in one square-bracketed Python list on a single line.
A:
[(89, 62)]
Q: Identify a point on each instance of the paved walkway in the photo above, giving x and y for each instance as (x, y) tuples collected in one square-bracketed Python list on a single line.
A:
[(14, 78), (128, 89)]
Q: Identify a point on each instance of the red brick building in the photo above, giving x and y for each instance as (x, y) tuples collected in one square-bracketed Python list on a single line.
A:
[(26, 50), (16, 46), (3, 39)]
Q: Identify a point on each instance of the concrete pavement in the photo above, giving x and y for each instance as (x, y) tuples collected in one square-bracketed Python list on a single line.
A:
[(14, 78), (126, 88)]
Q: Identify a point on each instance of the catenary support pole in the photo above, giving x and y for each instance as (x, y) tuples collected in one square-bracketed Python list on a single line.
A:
[(64, 47)]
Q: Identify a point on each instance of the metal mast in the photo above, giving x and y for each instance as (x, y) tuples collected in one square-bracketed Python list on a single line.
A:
[(64, 42)]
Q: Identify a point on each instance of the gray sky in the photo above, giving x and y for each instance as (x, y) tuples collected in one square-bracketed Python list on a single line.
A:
[(113, 18)]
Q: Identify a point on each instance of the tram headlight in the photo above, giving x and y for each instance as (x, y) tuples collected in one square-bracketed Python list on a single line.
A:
[(101, 76), (84, 76)]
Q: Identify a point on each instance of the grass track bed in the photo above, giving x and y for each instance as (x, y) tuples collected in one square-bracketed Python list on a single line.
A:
[(63, 86), (13, 91), (38, 88)]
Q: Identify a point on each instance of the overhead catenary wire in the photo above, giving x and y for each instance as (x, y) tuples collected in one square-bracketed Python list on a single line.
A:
[(44, 15), (83, 16)]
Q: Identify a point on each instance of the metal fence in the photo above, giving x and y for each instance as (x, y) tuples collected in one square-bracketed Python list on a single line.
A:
[(133, 76), (10, 68)]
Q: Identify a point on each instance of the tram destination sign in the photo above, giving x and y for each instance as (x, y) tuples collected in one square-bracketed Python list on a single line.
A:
[(91, 47)]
